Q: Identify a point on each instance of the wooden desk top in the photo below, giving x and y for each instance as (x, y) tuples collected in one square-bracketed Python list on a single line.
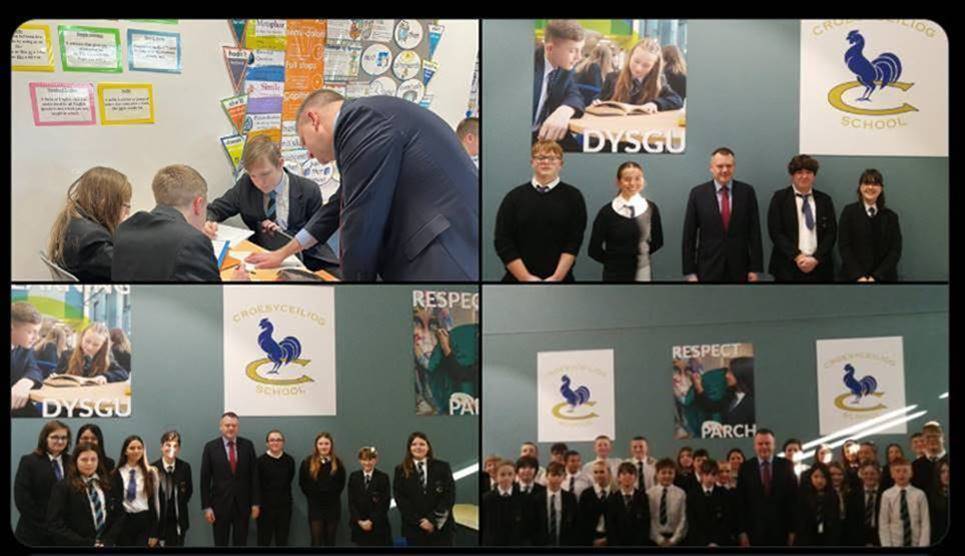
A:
[(261, 274)]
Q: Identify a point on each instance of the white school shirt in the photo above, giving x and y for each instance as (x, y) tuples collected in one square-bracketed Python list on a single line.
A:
[(889, 518), (676, 513), (140, 502), (649, 471), (282, 193), (622, 206), (549, 185), (580, 483), (807, 240)]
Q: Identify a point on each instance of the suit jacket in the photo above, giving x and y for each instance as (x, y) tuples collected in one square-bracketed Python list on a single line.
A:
[(709, 519), (31, 491), (88, 251), (561, 91), (118, 490), (71, 523), (323, 493), (220, 489), (667, 98), (184, 488), (783, 228), (806, 521), (590, 510), (766, 519), (502, 519), (628, 527), (304, 200), (856, 532), (416, 504), (409, 195), (924, 474), (23, 364), (371, 504), (713, 254), (160, 246), (569, 526), (865, 252)]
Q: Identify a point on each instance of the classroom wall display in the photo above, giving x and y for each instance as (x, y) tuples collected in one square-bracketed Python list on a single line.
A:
[(575, 392), (126, 103), (713, 390), (445, 341), (30, 49), (860, 379), (62, 103), (96, 49), (616, 109), (874, 87), (92, 375), (279, 351), (153, 51)]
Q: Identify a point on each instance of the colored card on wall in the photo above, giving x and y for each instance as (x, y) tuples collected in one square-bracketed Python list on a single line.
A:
[(305, 54), (93, 49), (62, 103), (126, 103), (153, 51), (30, 49), (236, 108), (234, 146), (268, 34)]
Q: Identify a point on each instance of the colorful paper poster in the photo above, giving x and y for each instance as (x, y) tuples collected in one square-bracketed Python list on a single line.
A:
[(289, 136), (380, 30), (874, 88), (426, 100), (90, 49), (408, 33), (272, 133), (267, 34), (860, 379), (62, 103), (384, 85), (429, 68), (295, 159), (83, 316), (575, 391), (238, 30), (264, 97), (236, 108), (472, 107), (406, 65), (267, 65), (713, 390), (446, 344), (435, 33), (126, 103), (236, 62), (30, 49), (279, 353), (347, 29), (342, 60), (234, 146), (305, 55), (356, 89), (258, 122), (411, 90), (153, 51), (376, 59), (291, 101)]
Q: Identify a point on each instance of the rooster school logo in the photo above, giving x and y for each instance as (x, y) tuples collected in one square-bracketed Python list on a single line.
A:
[(278, 355), (874, 75), (576, 404), (862, 395)]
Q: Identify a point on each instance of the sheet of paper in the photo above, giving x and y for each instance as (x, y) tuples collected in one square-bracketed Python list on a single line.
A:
[(30, 49), (232, 234), (342, 60), (153, 51), (62, 103), (90, 48), (126, 103), (290, 262)]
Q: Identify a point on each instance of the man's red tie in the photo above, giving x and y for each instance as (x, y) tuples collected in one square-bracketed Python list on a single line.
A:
[(724, 207), (232, 457), (766, 479)]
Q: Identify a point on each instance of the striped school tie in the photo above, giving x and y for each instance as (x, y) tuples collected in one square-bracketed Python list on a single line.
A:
[(905, 520), (95, 500), (663, 507), (270, 211)]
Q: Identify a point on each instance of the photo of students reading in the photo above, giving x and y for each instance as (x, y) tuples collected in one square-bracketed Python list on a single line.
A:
[(82, 238), (272, 202), (556, 97)]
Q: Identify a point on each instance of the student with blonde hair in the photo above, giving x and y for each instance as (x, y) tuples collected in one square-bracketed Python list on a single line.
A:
[(641, 81), (93, 357), (82, 238), (322, 479), (369, 494), (675, 69)]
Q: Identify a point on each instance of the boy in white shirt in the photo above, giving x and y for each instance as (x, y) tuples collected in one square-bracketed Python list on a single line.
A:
[(903, 519), (668, 519)]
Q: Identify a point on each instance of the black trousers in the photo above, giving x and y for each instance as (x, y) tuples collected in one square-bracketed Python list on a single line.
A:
[(169, 528), (234, 524), (135, 530), (274, 523)]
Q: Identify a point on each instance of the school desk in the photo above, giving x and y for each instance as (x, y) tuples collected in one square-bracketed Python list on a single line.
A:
[(260, 274), (466, 515), (618, 125), (103, 394)]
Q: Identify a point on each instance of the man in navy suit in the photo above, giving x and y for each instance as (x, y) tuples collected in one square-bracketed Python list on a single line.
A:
[(408, 205), (766, 496), (229, 484), (722, 228), (556, 96)]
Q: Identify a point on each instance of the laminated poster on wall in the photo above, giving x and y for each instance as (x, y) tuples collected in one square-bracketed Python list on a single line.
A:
[(30, 49), (342, 60), (268, 34), (153, 51), (411, 90), (435, 33), (62, 103), (87, 312), (236, 108), (95, 49), (236, 61), (126, 103), (234, 146), (408, 33), (237, 27), (384, 85), (267, 65), (575, 395), (446, 347), (429, 69), (406, 64), (305, 55), (713, 391), (376, 59)]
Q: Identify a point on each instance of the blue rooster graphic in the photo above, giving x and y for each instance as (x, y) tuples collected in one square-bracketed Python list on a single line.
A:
[(574, 399), (279, 353), (860, 388), (879, 72)]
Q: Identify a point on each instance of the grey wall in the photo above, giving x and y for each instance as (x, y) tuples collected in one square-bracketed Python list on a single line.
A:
[(742, 92), (177, 337), (642, 324)]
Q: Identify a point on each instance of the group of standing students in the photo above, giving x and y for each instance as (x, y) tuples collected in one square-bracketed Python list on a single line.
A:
[(84, 498)]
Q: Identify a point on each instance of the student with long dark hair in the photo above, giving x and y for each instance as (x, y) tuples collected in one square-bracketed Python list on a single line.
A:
[(135, 485), (425, 493), (83, 509), (36, 475), (869, 235), (818, 515), (92, 434), (322, 479)]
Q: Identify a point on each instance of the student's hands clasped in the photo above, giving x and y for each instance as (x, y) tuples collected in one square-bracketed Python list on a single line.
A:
[(805, 263), (557, 124), (426, 525), (20, 393), (365, 524)]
